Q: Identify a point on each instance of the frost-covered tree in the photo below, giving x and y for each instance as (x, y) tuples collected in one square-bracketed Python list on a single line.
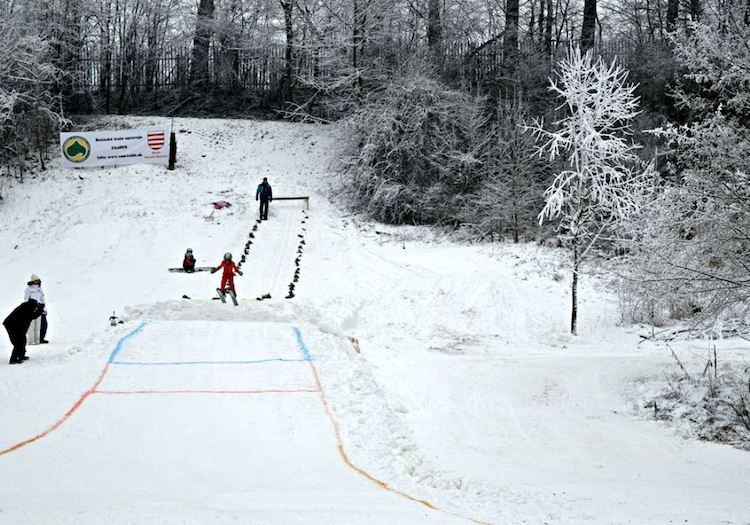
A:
[(352, 47), (419, 152), (412, 153), (30, 107), (604, 178), (690, 252), (513, 178)]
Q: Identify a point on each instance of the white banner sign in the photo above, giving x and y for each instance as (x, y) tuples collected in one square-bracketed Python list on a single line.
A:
[(115, 148)]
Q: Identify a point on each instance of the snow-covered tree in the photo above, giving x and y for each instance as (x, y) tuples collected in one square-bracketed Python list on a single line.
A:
[(604, 179), (513, 178), (690, 252), (412, 157), (30, 108)]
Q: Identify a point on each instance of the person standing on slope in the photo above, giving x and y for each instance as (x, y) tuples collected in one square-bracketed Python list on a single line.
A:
[(16, 324), (34, 291), (230, 268), (265, 193)]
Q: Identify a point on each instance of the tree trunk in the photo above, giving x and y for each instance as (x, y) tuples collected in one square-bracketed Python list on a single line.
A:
[(532, 21), (72, 47), (358, 40), (540, 23), (288, 7), (201, 43), (39, 148), (695, 10), (548, 29), (122, 98), (510, 39), (516, 197), (659, 21), (649, 21), (105, 66), (574, 289), (589, 25), (152, 36), (435, 33), (673, 9)]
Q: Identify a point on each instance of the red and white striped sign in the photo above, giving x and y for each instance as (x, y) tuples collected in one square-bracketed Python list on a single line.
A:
[(155, 140)]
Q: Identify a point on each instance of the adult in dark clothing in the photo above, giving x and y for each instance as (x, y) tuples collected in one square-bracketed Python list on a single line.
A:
[(265, 194), (17, 323)]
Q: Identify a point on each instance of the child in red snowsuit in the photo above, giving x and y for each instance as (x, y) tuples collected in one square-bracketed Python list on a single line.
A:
[(229, 267)]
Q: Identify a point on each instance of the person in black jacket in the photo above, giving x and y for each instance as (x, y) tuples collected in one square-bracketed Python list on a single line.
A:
[(17, 323), (266, 195)]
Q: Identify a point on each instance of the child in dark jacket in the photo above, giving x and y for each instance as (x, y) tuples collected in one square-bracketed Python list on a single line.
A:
[(188, 263)]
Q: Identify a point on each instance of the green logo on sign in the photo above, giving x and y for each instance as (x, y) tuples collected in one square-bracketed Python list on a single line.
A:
[(76, 149)]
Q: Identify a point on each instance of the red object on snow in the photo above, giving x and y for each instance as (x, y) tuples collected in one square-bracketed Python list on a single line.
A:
[(221, 204)]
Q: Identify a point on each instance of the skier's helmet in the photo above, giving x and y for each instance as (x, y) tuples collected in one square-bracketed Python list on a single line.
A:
[(227, 256), (189, 250)]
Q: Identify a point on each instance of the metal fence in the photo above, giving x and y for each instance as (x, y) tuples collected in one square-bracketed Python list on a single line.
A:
[(127, 75)]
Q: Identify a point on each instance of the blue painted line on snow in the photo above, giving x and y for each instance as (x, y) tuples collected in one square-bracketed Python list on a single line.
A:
[(306, 356), (305, 352), (177, 363), (124, 338)]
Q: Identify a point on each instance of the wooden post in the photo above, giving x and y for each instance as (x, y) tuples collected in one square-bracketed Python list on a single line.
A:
[(574, 289), (172, 150)]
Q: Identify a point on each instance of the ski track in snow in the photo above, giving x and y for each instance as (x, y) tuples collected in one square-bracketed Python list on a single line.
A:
[(465, 390)]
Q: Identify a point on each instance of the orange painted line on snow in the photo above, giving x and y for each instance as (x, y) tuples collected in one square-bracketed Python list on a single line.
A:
[(93, 390), (63, 419), (84, 396), (136, 392), (362, 472)]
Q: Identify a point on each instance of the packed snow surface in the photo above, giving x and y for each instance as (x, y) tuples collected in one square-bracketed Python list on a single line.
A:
[(409, 380)]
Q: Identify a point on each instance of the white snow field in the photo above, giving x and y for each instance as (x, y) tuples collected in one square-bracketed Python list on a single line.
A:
[(410, 379), (199, 422)]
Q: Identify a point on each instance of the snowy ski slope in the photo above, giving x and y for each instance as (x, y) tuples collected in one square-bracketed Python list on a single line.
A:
[(199, 422), (407, 372)]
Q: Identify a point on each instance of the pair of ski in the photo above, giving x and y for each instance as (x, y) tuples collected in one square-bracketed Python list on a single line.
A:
[(223, 295), (196, 269)]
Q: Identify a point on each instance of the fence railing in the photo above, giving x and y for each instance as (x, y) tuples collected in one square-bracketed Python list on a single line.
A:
[(170, 67), (262, 70)]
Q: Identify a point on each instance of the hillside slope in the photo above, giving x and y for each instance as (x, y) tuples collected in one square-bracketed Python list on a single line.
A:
[(447, 369)]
